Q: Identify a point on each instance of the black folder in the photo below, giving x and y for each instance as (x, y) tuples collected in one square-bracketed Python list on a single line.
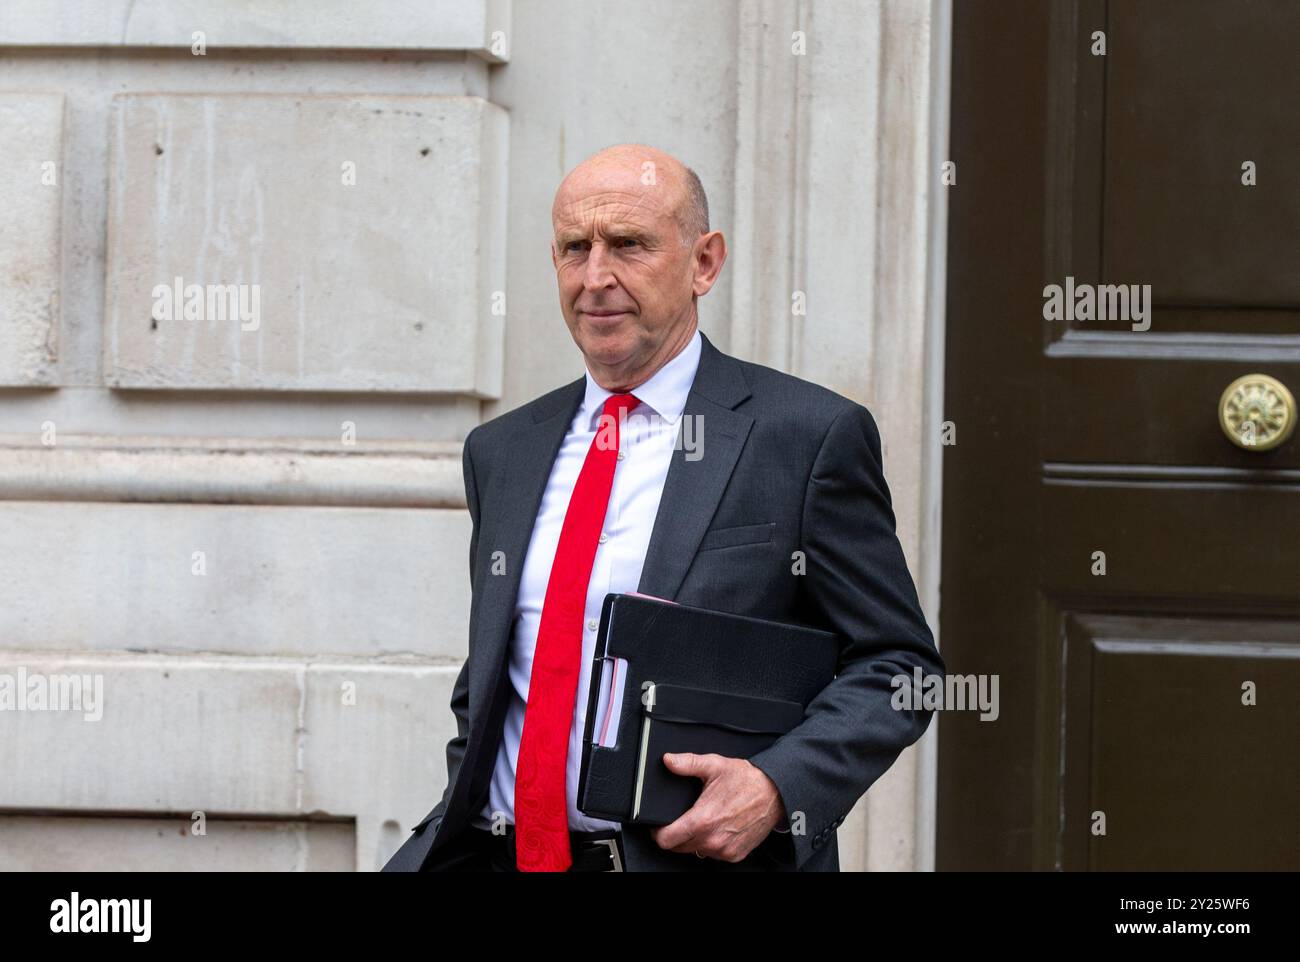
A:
[(697, 681)]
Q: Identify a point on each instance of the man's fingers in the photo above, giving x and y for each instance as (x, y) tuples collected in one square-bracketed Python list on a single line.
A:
[(678, 836), (688, 763), (693, 826), (673, 839)]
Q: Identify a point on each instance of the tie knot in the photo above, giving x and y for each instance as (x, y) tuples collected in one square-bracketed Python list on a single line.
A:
[(618, 404)]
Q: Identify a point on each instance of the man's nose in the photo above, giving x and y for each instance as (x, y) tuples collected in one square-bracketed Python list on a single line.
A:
[(599, 273)]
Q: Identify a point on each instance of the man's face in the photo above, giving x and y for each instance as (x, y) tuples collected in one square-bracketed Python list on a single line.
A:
[(625, 279)]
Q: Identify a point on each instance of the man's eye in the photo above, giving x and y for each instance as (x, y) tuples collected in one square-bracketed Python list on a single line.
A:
[(627, 240)]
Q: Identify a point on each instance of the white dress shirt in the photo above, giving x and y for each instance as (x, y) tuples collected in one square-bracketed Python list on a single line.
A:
[(645, 450)]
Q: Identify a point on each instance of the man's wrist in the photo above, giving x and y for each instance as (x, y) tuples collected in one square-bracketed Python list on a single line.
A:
[(781, 817)]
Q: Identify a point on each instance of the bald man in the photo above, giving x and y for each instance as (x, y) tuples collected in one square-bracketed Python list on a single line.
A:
[(676, 470)]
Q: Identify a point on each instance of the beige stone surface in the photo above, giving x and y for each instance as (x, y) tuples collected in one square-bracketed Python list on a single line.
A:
[(46, 843), (94, 467), (379, 285), (383, 24), (364, 582), (31, 156), (234, 737)]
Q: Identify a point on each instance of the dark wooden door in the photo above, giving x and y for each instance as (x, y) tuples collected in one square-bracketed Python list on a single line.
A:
[(1161, 690)]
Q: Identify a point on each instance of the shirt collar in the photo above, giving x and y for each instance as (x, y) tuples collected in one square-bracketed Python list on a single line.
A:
[(665, 393)]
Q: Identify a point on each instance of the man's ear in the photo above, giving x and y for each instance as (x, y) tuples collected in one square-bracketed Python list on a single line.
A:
[(555, 261), (710, 255)]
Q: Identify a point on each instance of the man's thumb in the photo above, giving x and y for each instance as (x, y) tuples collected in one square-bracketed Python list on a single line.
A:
[(685, 763), (679, 762)]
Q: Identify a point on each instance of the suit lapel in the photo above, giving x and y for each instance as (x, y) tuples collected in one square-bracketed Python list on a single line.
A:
[(694, 487), (516, 497)]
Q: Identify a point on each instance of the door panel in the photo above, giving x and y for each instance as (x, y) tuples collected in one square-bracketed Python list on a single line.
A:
[(1194, 89)]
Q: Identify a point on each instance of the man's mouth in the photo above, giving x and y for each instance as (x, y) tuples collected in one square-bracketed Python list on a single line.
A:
[(604, 313)]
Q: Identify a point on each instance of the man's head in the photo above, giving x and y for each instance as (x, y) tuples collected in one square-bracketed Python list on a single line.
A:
[(632, 251)]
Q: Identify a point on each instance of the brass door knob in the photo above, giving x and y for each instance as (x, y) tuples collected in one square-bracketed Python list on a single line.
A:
[(1257, 412)]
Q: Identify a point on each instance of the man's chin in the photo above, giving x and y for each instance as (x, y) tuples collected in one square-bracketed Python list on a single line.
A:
[(608, 325), (610, 348)]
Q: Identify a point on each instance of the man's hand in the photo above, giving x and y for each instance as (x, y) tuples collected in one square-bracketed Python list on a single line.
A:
[(739, 806)]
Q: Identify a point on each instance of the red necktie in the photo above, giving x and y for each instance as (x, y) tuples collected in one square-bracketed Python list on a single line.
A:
[(541, 808)]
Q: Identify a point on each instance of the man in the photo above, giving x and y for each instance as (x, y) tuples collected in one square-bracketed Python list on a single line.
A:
[(777, 508)]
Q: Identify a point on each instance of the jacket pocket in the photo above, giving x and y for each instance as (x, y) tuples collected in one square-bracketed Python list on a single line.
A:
[(737, 535)]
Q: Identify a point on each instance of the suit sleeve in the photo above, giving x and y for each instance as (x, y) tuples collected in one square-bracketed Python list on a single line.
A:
[(856, 584), (460, 690)]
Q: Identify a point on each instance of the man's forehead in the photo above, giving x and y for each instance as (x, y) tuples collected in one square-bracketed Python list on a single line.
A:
[(642, 207)]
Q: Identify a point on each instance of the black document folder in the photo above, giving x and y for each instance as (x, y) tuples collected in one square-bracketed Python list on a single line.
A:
[(697, 681)]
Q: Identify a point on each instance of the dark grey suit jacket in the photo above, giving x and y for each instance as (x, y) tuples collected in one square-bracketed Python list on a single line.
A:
[(787, 466)]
